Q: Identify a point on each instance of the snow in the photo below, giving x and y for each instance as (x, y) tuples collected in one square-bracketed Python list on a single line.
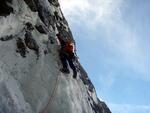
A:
[(26, 84), (9, 25)]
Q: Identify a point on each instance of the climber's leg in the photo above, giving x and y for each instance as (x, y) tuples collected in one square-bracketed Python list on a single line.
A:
[(72, 67), (64, 63)]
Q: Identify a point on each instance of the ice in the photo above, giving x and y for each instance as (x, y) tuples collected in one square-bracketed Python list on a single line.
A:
[(27, 83), (9, 25)]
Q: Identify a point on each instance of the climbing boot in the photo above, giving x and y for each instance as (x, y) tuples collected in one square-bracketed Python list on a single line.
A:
[(65, 70), (74, 74)]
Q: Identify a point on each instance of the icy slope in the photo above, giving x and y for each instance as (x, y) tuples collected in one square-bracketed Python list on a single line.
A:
[(30, 80)]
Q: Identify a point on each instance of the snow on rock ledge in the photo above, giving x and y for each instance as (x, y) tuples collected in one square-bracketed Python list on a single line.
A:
[(30, 80)]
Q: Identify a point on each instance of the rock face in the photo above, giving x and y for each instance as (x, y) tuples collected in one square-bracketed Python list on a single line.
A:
[(5, 8), (30, 77)]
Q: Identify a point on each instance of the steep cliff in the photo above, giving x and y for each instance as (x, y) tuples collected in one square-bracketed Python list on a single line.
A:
[(30, 77)]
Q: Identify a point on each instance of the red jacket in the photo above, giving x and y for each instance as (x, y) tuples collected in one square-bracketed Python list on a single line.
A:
[(69, 47)]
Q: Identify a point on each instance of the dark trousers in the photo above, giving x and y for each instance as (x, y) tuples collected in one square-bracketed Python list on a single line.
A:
[(64, 57)]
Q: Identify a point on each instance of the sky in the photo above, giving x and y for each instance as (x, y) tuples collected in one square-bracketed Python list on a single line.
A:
[(112, 38)]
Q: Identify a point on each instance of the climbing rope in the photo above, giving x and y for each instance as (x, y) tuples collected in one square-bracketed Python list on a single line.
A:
[(52, 94)]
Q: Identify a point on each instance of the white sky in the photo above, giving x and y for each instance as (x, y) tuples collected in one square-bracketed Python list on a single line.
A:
[(101, 10)]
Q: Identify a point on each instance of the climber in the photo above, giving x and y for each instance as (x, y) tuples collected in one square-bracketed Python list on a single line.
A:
[(66, 53)]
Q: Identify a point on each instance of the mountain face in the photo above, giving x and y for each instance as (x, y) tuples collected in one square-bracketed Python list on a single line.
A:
[(30, 77)]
